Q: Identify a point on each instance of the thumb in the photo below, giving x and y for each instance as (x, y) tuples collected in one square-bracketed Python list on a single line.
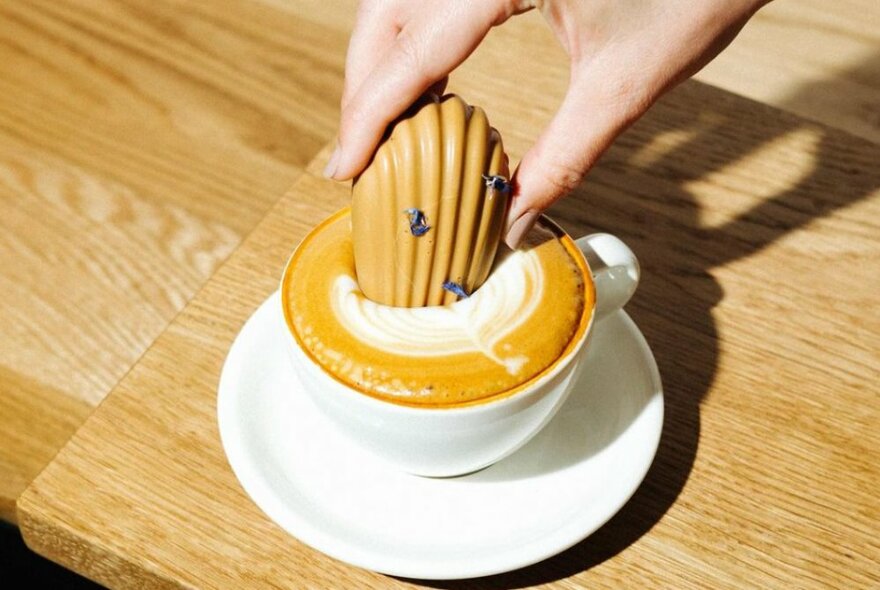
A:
[(586, 123), (425, 51)]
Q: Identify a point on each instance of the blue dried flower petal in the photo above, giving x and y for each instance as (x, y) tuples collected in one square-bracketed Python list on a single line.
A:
[(496, 182), (455, 288), (417, 224)]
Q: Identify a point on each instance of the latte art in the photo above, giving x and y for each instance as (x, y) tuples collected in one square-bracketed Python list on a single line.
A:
[(518, 324), (477, 324)]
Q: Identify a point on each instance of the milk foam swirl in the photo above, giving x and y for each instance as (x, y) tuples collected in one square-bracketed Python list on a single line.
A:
[(476, 324)]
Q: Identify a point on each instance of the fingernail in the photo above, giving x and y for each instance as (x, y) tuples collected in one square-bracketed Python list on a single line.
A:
[(520, 227), (332, 163)]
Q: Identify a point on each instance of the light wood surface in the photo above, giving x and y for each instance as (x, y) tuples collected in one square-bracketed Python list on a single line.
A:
[(818, 59), (758, 236), (140, 141)]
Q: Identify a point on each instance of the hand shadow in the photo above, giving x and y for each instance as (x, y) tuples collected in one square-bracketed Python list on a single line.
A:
[(645, 200)]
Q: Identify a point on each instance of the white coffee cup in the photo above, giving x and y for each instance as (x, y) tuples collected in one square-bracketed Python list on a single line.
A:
[(444, 442)]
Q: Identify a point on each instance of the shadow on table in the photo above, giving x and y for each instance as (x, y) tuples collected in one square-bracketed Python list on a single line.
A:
[(649, 206)]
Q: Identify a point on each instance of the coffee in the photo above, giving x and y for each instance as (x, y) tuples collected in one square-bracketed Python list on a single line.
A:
[(536, 302)]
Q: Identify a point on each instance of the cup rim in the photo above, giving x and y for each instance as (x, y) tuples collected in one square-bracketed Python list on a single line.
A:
[(497, 400)]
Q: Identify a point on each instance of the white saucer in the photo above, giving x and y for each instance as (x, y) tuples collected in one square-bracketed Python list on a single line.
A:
[(563, 485)]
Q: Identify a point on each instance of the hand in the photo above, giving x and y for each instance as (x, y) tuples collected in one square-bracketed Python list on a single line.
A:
[(624, 54)]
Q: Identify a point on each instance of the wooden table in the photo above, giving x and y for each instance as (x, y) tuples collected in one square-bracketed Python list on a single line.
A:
[(139, 142), (758, 235), (744, 217)]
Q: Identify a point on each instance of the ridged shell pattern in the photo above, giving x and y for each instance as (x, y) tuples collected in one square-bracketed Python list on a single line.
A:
[(425, 212)]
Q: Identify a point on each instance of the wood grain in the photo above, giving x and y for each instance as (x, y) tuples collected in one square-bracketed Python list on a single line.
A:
[(138, 144), (757, 233), (37, 421), (140, 141), (815, 59)]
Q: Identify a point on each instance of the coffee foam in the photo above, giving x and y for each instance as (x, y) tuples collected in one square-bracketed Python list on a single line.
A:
[(506, 333), (473, 325)]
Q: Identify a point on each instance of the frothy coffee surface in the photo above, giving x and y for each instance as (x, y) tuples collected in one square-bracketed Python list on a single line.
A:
[(511, 329)]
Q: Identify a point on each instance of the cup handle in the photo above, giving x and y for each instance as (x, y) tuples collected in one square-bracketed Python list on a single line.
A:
[(615, 271)]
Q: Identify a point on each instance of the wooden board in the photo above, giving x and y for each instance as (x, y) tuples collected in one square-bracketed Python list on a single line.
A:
[(138, 144), (758, 235), (817, 59), (140, 141)]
